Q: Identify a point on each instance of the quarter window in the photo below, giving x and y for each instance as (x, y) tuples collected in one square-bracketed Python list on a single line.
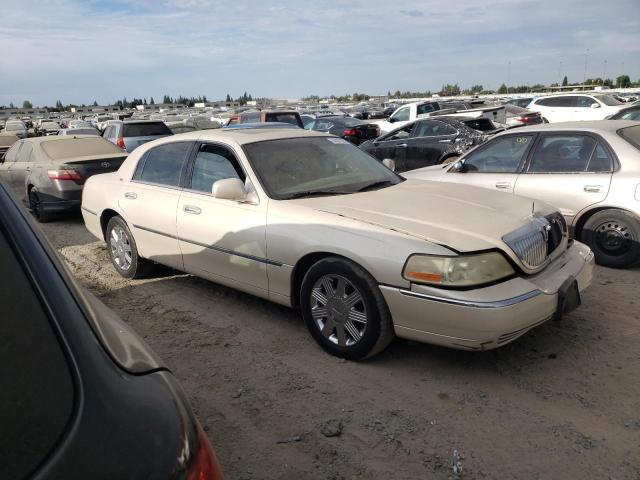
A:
[(502, 155), (566, 153), (213, 163), (163, 165)]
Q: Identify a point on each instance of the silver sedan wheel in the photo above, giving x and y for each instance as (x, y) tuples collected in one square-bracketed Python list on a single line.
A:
[(338, 309), (120, 247)]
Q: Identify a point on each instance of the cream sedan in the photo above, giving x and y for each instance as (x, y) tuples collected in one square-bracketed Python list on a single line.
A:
[(308, 220), (590, 171)]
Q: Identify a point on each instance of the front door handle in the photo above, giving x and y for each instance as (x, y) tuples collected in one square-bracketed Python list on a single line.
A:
[(131, 195), (446, 140), (593, 188), (503, 185), (402, 145), (192, 209)]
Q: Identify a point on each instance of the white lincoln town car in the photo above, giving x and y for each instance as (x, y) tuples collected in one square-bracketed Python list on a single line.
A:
[(308, 220)]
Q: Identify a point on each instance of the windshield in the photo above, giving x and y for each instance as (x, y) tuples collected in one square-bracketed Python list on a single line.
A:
[(293, 166), (608, 100)]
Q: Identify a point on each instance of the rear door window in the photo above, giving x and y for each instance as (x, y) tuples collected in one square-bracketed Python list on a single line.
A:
[(425, 108), (37, 398), (250, 117), (564, 154), (145, 129), (163, 165), (26, 153), (501, 155)]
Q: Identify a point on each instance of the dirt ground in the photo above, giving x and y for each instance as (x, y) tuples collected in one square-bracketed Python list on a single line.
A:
[(562, 402)]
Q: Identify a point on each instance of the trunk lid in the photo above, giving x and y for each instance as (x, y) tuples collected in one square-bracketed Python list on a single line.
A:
[(89, 165), (368, 131)]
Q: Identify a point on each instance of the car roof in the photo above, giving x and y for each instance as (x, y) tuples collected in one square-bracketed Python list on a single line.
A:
[(610, 126), (249, 135)]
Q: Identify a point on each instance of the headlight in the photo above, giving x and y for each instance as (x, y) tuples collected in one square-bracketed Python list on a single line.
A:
[(459, 271)]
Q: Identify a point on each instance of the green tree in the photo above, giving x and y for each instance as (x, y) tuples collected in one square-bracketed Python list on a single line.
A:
[(59, 105), (503, 89), (565, 81), (11, 105), (623, 81), (152, 101), (28, 104), (95, 103)]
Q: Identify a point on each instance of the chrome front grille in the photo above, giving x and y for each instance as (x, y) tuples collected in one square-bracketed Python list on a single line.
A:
[(535, 241)]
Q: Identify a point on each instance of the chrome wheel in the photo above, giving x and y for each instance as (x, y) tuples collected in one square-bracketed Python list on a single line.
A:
[(338, 310), (120, 247)]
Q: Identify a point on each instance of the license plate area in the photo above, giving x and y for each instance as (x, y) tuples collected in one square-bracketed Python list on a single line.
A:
[(568, 298)]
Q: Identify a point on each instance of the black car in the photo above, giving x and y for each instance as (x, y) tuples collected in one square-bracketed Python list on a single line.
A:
[(82, 395), (349, 128), (430, 141), (628, 113)]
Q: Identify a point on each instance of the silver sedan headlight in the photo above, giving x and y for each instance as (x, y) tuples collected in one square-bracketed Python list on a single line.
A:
[(459, 271)]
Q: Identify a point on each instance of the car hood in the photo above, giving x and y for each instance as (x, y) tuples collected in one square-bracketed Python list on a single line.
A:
[(460, 217)]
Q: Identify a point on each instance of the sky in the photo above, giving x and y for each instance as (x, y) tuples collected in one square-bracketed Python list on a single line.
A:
[(78, 51)]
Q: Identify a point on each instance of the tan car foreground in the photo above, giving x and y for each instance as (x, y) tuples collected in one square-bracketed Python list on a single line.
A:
[(309, 221)]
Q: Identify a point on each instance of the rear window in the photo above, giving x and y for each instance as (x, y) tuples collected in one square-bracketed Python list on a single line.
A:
[(608, 100), (480, 124), (291, 118), (37, 387), (145, 129), (631, 135), (70, 147)]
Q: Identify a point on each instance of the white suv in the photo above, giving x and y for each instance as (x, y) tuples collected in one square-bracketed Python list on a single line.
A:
[(575, 106)]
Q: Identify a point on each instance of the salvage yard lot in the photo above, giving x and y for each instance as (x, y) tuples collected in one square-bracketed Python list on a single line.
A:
[(561, 402)]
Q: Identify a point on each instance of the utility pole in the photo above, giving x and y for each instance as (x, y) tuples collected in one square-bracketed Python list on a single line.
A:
[(508, 75), (586, 59), (604, 72)]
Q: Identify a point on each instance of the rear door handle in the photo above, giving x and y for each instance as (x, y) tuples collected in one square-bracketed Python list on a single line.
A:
[(131, 195), (593, 188), (444, 141), (503, 185), (402, 145), (192, 209)]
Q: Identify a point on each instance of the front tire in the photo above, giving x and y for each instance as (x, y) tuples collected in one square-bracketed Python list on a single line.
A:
[(344, 309), (614, 237), (123, 250)]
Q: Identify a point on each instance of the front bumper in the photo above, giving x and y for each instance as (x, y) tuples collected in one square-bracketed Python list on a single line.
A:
[(486, 318)]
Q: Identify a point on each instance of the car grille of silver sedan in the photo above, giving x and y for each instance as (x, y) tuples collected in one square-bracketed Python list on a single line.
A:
[(535, 242)]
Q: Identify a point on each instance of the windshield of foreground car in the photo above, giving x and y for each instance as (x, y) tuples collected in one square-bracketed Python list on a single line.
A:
[(294, 167), (608, 100)]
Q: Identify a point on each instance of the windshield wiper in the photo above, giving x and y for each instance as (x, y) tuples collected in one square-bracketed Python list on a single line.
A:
[(380, 183), (311, 193)]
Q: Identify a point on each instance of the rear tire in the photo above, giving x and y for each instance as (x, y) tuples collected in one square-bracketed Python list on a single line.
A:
[(35, 205), (123, 250), (344, 309), (614, 237)]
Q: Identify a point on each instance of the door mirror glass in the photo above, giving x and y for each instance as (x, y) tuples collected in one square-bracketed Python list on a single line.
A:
[(390, 164), (229, 189), (457, 167)]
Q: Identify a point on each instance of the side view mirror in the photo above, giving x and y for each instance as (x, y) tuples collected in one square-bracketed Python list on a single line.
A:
[(390, 164), (391, 119), (229, 189), (458, 167), (595, 105)]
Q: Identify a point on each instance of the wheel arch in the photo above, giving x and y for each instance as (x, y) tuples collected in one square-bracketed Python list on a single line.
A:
[(106, 215), (586, 215), (303, 265)]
